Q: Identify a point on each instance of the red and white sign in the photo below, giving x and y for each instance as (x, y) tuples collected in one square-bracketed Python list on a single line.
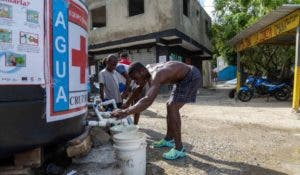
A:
[(67, 87)]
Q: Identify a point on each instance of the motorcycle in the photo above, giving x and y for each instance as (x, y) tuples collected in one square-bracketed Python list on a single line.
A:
[(262, 86)]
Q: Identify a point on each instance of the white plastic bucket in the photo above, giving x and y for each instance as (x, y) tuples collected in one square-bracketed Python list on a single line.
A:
[(131, 152), (123, 128), (130, 139)]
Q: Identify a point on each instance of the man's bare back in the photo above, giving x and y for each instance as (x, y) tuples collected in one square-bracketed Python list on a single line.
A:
[(156, 75), (168, 73)]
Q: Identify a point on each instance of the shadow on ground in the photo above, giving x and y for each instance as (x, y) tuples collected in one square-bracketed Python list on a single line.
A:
[(207, 164), (152, 114), (153, 169)]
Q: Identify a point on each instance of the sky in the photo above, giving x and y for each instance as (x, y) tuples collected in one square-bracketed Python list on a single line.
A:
[(208, 6)]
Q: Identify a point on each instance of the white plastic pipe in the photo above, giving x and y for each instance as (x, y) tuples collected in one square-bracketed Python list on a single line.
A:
[(108, 102), (104, 117), (98, 123), (104, 122)]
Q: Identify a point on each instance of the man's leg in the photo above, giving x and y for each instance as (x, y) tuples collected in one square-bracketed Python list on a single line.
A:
[(168, 140), (169, 135), (174, 124)]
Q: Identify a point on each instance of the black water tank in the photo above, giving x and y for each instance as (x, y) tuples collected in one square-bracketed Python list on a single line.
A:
[(23, 122)]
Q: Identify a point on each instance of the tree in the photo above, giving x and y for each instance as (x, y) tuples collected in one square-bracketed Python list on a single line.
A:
[(233, 16)]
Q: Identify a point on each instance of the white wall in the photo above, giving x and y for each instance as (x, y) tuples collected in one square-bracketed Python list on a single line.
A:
[(221, 63)]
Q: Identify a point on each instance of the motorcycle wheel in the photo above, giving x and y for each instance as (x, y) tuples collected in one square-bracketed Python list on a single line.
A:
[(282, 94), (245, 96), (231, 93)]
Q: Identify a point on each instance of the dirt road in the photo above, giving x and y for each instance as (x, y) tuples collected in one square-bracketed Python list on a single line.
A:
[(227, 137)]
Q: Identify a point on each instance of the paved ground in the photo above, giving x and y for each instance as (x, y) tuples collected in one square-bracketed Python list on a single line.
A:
[(224, 137)]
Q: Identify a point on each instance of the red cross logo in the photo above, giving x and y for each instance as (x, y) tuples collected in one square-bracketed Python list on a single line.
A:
[(79, 58)]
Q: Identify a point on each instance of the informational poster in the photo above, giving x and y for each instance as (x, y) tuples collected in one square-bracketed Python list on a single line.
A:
[(162, 59), (21, 42), (68, 74), (93, 69)]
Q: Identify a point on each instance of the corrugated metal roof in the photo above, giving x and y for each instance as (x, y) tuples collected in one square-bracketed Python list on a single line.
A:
[(268, 19)]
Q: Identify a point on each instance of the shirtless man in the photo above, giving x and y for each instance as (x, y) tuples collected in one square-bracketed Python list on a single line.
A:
[(186, 80)]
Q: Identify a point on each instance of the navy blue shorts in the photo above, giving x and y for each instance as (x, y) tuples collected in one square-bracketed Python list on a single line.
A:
[(185, 91)]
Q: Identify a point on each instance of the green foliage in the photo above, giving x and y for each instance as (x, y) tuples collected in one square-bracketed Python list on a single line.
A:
[(274, 61), (233, 16)]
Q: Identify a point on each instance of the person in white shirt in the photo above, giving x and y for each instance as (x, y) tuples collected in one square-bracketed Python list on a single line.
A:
[(109, 81)]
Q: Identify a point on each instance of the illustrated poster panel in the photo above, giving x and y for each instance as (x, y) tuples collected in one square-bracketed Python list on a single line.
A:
[(21, 42)]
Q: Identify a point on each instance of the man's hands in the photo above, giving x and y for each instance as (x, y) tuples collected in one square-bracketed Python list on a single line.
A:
[(119, 113), (124, 95), (125, 105)]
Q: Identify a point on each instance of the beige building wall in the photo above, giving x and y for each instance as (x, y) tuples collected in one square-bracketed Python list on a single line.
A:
[(193, 25), (158, 16)]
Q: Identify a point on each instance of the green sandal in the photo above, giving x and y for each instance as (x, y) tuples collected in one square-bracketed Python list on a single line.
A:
[(174, 154), (163, 143)]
